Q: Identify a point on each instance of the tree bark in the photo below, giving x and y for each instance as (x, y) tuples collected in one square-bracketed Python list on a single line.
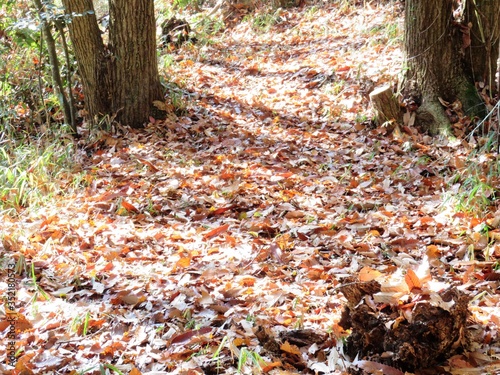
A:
[(122, 79), (92, 57), (433, 49), (135, 78), (385, 104), (481, 56)]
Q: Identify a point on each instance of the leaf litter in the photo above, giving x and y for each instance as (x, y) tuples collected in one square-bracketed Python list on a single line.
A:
[(222, 240)]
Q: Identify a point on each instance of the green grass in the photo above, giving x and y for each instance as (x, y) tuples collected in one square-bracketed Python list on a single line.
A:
[(32, 168), (264, 20), (247, 355), (479, 180), (36, 155), (206, 28), (475, 195)]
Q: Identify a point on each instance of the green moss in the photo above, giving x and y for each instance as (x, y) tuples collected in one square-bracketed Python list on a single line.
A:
[(431, 117), (472, 103)]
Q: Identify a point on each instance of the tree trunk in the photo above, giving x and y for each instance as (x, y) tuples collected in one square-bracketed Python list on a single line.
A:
[(481, 55), (433, 44), (91, 56), (121, 80), (54, 62), (136, 83)]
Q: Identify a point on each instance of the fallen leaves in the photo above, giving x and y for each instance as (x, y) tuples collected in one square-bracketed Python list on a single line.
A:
[(186, 336), (249, 212), (216, 231)]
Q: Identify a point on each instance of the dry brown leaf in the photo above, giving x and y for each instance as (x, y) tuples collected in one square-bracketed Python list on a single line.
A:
[(376, 368), (188, 335)]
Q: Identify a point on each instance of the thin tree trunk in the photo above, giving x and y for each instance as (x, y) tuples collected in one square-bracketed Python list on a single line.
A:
[(54, 62), (481, 55), (135, 76), (72, 105), (432, 48), (91, 55)]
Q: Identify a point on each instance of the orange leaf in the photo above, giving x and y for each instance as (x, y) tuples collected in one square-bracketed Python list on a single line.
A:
[(129, 207), (412, 280), (374, 233), (368, 274), (216, 231), (247, 281), (230, 240), (286, 174), (24, 365), (221, 210), (343, 69), (268, 367), (238, 341), (149, 164), (433, 252), (22, 324), (187, 63), (183, 262), (109, 196), (97, 323), (292, 349)]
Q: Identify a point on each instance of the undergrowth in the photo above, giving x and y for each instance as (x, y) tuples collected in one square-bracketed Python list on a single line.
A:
[(36, 149), (33, 169), (477, 182)]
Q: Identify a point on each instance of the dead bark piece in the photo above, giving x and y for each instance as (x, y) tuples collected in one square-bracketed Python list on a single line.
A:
[(385, 104), (267, 340), (355, 291), (175, 31), (436, 331), (303, 337)]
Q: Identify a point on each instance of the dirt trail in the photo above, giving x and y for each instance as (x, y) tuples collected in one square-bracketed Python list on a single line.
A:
[(248, 210)]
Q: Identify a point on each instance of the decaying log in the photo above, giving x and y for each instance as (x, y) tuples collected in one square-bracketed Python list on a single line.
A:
[(386, 105), (422, 336)]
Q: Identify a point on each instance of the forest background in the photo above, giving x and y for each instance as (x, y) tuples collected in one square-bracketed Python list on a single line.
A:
[(293, 195)]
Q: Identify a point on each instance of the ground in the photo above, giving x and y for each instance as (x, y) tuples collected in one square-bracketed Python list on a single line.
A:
[(218, 240)]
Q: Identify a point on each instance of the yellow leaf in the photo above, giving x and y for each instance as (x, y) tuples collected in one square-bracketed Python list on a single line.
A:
[(238, 341), (288, 348), (183, 262), (187, 63)]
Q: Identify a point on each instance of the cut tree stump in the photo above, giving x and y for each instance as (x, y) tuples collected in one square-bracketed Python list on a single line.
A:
[(386, 105)]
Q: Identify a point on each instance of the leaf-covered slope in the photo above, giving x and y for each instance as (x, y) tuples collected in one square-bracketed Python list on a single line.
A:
[(200, 244)]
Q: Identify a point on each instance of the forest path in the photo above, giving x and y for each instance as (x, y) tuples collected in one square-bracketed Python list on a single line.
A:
[(247, 210)]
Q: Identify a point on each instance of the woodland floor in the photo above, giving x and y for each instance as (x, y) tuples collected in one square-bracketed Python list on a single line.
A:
[(246, 213)]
